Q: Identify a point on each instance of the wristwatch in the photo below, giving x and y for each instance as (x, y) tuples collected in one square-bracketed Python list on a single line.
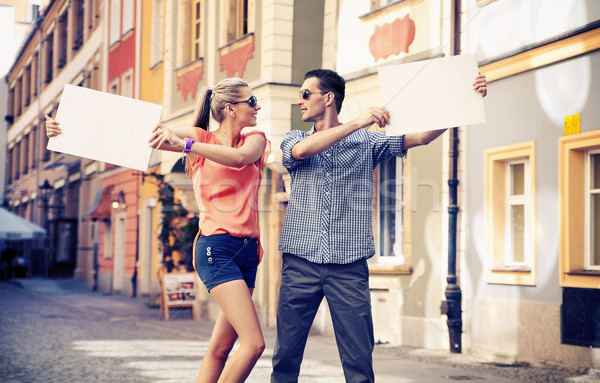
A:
[(188, 145)]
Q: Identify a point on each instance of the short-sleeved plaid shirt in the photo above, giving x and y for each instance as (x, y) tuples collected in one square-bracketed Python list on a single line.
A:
[(329, 214)]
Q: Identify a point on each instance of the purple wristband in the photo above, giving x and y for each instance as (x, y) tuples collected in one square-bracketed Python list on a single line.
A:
[(188, 145)]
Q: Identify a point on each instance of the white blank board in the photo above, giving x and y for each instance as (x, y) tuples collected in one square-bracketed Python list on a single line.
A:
[(431, 94), (105, 127)]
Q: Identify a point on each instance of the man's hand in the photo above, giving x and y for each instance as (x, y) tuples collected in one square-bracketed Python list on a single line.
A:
[(373, 115), (52, 128), (480, 85)]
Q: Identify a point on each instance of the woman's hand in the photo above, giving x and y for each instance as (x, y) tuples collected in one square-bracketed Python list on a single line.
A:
[(52, 128), (162, 135), (480, 85)]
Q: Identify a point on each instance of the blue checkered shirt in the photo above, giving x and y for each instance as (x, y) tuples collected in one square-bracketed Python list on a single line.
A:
[(329, 213)]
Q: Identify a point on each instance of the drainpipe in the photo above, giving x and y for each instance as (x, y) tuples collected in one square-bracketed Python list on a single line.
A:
[(452, 306)]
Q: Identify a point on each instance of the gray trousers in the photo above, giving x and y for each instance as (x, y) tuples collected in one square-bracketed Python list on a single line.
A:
[(346, 287)]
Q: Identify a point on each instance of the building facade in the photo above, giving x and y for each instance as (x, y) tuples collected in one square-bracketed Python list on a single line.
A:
[(527, 196), (64, 46), (530, 273)]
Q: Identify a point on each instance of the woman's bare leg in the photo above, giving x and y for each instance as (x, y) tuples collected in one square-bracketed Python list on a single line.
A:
[(237, 318), (221, 342)]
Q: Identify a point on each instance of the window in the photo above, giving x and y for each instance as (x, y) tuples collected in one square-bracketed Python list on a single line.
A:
[(108, 241), (9, 165), (115, 22), (32, 139), (376, 4), (114, 87), (49, 49), (94, 14), (592, 209), (157, 32), (25, 154), (579, 195), (79, 9), (391, 211), (510, 214), (34, 74), (127, 85), (517, 200), (11, 106), (33, 11), (128, 15), (63, 34), (27, 85), (237, 21), (19, 95), (196, 28)]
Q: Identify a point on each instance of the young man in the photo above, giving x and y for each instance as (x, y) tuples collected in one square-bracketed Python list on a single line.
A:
[(327, 234)]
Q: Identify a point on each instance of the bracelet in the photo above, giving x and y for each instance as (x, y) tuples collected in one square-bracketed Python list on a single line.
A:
[(188, 145)]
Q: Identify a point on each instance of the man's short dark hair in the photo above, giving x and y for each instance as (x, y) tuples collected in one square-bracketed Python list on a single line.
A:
[(330, 81)]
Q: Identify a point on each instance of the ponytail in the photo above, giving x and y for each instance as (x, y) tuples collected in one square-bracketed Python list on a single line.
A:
[(202, 117)]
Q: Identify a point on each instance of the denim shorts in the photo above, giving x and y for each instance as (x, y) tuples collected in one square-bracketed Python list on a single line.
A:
[(223, 258)]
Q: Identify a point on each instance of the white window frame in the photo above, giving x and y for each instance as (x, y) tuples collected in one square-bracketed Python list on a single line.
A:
[(589, 223), (127, 84), (128, 15), (398, 257), (115, 22), (30, 6), (114, 85), (514, 200), (156, 49)]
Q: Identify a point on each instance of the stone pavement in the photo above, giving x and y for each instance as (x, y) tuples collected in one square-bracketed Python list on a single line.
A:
[(120, 339)]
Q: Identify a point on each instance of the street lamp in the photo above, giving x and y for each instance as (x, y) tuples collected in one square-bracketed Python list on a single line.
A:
[(45, 193)]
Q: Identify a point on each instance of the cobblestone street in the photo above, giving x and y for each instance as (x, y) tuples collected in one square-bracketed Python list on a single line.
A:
[(58, 331)]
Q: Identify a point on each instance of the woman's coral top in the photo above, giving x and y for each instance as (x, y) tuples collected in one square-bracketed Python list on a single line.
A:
[(227, 197)]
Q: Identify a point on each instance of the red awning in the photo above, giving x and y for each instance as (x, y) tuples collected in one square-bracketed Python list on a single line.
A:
[(102, 203)]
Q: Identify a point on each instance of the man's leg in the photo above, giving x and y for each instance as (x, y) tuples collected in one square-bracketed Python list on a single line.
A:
[(300, 295), (347, 293)]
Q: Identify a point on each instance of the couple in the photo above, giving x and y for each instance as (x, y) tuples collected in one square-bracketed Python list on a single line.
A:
[(325, 240)]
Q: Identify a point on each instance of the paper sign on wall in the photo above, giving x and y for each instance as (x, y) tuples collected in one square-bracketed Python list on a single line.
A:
[(431, 94), (105, 127)]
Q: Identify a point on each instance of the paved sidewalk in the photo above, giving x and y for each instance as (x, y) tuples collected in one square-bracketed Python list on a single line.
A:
[(393, 364)]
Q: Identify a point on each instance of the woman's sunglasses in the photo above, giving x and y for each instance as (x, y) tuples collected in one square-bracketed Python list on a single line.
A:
[(305, 94), (252, 101)]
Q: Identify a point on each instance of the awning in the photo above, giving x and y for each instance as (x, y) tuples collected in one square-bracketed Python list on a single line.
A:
[(101, 207), (13, 227)]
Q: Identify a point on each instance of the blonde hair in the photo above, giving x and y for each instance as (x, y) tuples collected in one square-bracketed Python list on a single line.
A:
[(213, 100)]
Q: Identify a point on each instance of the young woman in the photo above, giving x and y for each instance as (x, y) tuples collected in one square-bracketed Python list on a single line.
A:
[(226, 169)]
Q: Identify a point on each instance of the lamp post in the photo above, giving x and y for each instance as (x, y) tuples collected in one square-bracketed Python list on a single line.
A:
[(46, 191)]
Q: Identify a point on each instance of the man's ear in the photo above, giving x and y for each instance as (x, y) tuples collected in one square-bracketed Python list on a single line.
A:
[(330, 98)]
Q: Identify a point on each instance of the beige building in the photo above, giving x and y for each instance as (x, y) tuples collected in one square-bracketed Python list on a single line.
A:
[(522, 258), (271, 44), (64, 46)]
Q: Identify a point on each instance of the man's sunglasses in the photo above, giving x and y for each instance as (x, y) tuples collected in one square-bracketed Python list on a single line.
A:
[(252, 101), (305, 94)]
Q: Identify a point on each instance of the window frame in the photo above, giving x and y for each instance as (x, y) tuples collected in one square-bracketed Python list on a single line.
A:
[(157, 46), (589, 227), (498, 270), (571, 181), (127, 16), (196, 26), (398, 211), (514, 200), (243, 12)]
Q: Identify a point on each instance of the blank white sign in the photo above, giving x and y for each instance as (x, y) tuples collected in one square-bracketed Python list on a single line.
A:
[(105, 127), (431, 94)]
